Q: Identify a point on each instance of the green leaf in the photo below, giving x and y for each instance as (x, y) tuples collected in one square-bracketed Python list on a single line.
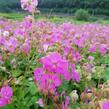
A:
[(106, 74)]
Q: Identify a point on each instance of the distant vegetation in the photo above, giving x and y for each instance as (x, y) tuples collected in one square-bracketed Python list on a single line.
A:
[(9, 5), (65, 6), (82, 14)]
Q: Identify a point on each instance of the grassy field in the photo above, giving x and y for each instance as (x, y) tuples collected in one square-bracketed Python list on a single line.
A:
[(56, 18)]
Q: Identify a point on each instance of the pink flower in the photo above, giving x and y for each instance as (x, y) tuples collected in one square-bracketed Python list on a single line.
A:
[(77, 56), (67, 50), (46, 81), (45, 47), (5, 95), (40, 102), (38, 72), (75, 74), (57, 80), (2, 40), (56, 64), (92, 49), (26, 46), (50, 61), (79, 42), (65, 104), (6, 92), (49, 76), (91, 58), (103, 49), (11, 44), (3, 102), (29, 5), (104, 105)]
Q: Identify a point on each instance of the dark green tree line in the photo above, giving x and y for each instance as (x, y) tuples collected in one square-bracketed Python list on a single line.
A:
[(70, 6)]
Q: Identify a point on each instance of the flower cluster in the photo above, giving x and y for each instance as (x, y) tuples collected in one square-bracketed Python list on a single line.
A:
[(5, 95), (29, 5), (54, 68), (17, 40), (104, 105), (48, 77)]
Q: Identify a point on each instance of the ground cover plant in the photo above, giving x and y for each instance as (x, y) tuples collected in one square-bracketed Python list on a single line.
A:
[(45, 65)]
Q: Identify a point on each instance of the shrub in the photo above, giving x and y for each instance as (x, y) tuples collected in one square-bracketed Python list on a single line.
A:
[(82, 14)]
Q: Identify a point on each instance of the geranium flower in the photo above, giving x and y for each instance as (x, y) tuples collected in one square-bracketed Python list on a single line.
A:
[(5, 95), (29, 5), (65, 104), (40, 102), (26, 46), (46, 81), (75, 74), (11, 44), (104, 105), (3, 102), (54, 62)]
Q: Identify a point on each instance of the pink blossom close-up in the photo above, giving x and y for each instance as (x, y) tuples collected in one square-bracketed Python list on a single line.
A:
[(104, 105), (29, 5), (6, 94)]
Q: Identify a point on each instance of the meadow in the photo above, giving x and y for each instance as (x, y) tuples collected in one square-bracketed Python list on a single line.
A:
[(51, 61)]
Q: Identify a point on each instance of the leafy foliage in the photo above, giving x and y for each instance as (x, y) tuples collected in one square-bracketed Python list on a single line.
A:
[(66, 6), (82, 15)]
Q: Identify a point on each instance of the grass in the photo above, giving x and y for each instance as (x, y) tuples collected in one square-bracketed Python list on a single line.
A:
[(47, 17), (55, 18), (16, 16)]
